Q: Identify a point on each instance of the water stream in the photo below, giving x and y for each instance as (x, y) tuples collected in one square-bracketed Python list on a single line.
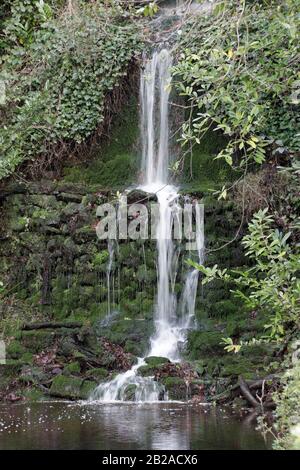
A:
[(171, 320)]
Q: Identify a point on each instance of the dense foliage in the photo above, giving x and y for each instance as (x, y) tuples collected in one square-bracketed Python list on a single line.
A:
[(239, 71), (271, 284), (288, 404), (56, 75)]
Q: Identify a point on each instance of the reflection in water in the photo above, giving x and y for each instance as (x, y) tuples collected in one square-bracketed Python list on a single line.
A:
[(161, 426)]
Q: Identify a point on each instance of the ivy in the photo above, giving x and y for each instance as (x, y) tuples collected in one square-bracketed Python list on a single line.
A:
[(55, 88)]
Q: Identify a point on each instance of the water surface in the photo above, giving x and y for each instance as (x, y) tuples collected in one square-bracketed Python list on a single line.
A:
[(160, 426)]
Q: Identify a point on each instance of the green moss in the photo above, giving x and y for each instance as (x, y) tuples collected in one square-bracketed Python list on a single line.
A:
[(19, 224), (72, 368), (27, 358), (86, 389), (33, 394), (98, 374), (38, 340), (175, 387), (72, 388), (133, 348), (233, 366), (100, 258), (114, 165), (201, 171), (202, 343), (146, 371), (129, 392), (155, 361), (15, 350)]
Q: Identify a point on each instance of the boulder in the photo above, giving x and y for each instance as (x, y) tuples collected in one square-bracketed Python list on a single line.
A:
[(71, 388)]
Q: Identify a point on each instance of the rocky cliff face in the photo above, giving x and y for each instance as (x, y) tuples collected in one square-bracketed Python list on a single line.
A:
[(55, 271)]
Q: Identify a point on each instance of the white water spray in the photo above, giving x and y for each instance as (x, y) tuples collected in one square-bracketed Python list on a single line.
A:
[(171, 323)]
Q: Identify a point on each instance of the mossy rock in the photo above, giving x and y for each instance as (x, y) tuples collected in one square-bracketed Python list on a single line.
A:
[(129, 392), (33, 394), (175, 387), (155, 361), (203, 343), (37, 340), (33, 375), (45, 201), (202, 171), (72, 368), (146, 371), (72, 388), (235, 366), (87, 388), (15, 350), (98, 374), (134, 348), (19, 224), (27, 358)]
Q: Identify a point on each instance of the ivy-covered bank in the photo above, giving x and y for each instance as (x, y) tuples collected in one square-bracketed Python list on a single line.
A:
[(64, 69)]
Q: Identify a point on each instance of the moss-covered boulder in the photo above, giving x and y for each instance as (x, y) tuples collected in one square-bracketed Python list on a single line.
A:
[(155, 361), (72, 369), (71, 388), (176, 388), (98, 374), (203, 343), (129, 392)]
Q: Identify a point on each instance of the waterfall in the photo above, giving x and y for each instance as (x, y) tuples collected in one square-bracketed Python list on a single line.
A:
[(171, 323), (108, 275), (155, 157)]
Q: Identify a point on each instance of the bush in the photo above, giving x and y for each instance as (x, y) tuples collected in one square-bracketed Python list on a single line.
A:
[(237, 70), (57, 85)]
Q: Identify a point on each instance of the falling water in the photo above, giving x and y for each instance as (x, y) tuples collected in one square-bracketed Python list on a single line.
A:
[(108, 275), (171, 323), (155, 157)]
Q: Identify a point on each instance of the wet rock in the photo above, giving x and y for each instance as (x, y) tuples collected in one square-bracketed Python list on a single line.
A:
[(137, 196), (129, 392), (176, 388)]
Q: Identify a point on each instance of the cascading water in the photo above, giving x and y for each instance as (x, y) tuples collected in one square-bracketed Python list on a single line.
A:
[(108, 275), (170, 326)]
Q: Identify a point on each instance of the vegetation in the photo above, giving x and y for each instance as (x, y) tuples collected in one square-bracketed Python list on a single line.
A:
[(238, 72), (66, 71), (58, 67)]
